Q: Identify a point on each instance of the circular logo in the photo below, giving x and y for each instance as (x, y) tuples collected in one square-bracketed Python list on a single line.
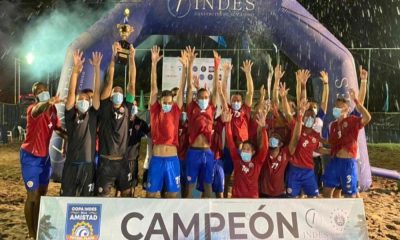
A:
[(195, 69), (100, 189), (179, 8), (210, 77), (82, 229), (201, 77), (29, 184), (203, 68), (289, 190)]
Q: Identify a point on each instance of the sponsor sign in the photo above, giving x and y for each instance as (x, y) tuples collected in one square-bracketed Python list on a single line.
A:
[(123, 218)]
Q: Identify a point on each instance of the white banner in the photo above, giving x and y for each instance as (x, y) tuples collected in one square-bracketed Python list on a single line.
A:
[(127, 218), (202, 67)]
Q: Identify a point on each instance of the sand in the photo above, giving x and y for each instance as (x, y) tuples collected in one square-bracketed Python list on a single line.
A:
[(382, 201)]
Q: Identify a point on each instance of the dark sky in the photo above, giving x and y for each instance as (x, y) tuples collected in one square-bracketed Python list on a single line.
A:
[(356, 23)]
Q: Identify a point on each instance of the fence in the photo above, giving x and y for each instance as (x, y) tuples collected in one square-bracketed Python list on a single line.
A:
[(11, 116)]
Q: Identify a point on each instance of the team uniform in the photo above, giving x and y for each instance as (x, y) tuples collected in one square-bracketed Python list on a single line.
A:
[(272, 176), (218, 182), (300, 174), (200, 160), (164, 131), (343, 172), (137, 129), (245, 183), (34, 152), (78, 171), (113, 170), (240, 129)]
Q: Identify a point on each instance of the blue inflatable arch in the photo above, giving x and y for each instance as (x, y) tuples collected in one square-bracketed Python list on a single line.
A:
[(294, 30)]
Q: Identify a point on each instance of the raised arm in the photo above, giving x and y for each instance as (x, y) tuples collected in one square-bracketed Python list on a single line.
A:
[(155, 58), (246, 68), (131, 88), (217, 61), (77, 69), (270, 75), (366, 116), (191, 54), (278, 76), (45, 106), (297, 129), (283, 92), (185, 63), (106, 93), (363, 85), (302, 77), (95, 62), (263, 149), (221, 95), (325, 93), (227, 71)]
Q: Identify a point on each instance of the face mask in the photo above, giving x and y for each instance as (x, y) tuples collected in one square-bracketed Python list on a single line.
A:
[(203, 103), (43, 96), (117, 98), (246, 157), (309, 122), (166, 108), (82, 105), (184, 116), (236, 106), (134, 110), (273, 142), (337, 112)]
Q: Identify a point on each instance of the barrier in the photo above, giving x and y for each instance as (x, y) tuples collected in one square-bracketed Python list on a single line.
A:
[(122, 218)]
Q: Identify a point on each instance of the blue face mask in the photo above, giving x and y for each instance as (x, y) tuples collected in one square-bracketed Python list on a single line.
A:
[(273, 142), (246, 157), (134, 110), (117, 98), (82, 106), (166, 108), (309, 122), (236, 106), (203, 103), (43, 96), (336, 112)]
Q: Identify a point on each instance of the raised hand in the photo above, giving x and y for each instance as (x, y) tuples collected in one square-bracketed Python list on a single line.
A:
[(78, 60), (247, 65), (303, 76), (226, 115), (363, 74), (184, 58), (227, 67), (191, 53), (155, 55), (283, 91), (279, 72), (324, 77), (96, 59), (115, 48)]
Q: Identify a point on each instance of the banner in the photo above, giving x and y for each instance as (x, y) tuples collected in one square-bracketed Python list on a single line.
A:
[(202, 67), (124, 218)]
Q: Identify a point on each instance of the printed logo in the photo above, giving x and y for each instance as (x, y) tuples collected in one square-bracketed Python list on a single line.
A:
[(339, 219), (29, 184), (83, 222), (179, 8)]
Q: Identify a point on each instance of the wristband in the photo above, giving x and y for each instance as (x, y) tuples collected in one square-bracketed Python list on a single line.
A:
[(364, 81), (130, 98)]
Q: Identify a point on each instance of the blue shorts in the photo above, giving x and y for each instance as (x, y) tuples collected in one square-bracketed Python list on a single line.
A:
[(36, 171), (301, 179), (164, 170), (228, 163), (198, 161), (342, 172), (218, 178)]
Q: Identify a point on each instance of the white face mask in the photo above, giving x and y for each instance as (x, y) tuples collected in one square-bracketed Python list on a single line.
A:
[(236, 106), (309, 122), (43, 96), (82, 106), (134, 110)]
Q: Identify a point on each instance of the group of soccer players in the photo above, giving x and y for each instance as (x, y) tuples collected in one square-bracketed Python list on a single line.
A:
[(271, 149)]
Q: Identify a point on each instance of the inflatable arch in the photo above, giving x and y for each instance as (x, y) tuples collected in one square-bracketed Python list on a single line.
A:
[(294, 30)]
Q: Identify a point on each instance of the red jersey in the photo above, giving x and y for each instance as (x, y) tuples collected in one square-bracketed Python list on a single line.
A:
[(245, 182), (345, 134), (216, 143), (200, 121), (272, 176), (240, 124), (183, 140), (308, 143), (39, 131), (164, 126)]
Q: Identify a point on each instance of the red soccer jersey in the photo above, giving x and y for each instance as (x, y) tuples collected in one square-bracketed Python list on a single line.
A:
[(39, 131), (164, 126), (245, 182), (200, 121), (240, 123), (308, 143), (183, 140), (216, 143), (344, 135), (272, 176)]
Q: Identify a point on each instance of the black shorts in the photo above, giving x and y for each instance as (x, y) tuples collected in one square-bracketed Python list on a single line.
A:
[(77, 180), (112, 173)]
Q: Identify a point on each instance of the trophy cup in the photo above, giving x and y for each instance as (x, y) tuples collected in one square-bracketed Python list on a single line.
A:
[(125, 31)]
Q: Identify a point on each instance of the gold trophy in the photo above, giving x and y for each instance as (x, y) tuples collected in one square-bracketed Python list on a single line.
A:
[(125, 31)]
